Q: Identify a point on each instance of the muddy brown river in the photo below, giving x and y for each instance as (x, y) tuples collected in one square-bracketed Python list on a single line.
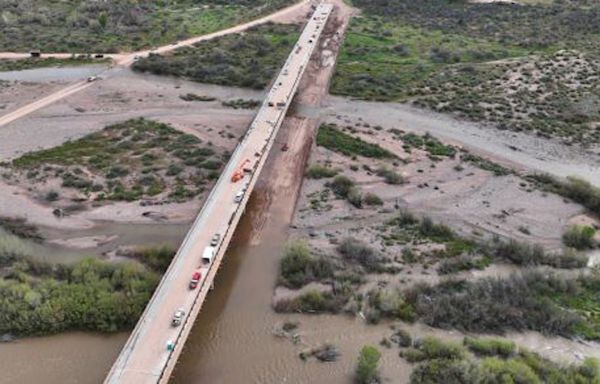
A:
[(232, 341)]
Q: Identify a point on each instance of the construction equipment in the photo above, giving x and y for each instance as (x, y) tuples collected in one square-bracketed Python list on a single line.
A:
[(239, 173)]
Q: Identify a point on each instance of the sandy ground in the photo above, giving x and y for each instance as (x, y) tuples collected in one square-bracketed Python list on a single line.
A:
[(119, 98), (14, 94), (468, 200), (514, 149), (474, 202)]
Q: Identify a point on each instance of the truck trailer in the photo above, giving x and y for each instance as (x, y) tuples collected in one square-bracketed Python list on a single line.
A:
[(208, 255)]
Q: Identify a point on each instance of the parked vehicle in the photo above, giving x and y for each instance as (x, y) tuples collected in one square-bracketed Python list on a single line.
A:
[(92, 78), (215, 239), (178, 317), (195, 280), (208, 255)]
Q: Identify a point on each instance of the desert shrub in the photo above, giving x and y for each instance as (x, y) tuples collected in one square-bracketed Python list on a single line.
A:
[(357, 251), (19, 227), (579, 237), (433, 348), (312, 302), (298, 267), (405, 218), (372, 199), (157, 258), (445, 371), (241, 103), (574, 188), (486, 367), (248, 60), (174, 169), (195, 97), (318, 171), (532, 301), (11, 248), (390, 176), (341, 185), (463, 263), (490, 347), (330, 137), (402, 338), (439, 232), (526, 254), (355, 197), (389, 304), (368, 365), (495, 370), (52, 196)]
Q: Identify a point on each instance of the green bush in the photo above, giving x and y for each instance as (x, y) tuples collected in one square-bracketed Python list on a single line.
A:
[(368, 365), (514, 367), (313, 302), (157, 258), (247, 60), (526, 254), (341, 185), (372, 199), (490, 347), (389, 304), (549, 304), (433, 348), (298, 267), (318, 171), (444, 371), (390, 176), (463, 263), (355, 197), (496, 370), (579, 237), (357, 251), (330, 137), (91, 295), (438, 232), (574, 188)]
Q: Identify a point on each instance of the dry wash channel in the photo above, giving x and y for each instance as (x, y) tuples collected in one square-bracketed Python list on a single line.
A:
[(151, 352)]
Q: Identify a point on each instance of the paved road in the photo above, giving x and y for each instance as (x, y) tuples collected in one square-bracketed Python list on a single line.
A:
[(126, 59), (145, 358)]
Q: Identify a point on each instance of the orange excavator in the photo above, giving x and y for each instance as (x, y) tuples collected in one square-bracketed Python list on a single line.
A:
[(239, 173)]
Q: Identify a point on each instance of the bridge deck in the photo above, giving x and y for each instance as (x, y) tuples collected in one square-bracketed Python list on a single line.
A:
[(145, 358)]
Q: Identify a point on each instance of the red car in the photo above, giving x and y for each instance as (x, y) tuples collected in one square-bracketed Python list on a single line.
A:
[(195, 280)]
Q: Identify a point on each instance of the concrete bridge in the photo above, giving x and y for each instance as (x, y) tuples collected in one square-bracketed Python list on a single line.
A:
[(152, 350)]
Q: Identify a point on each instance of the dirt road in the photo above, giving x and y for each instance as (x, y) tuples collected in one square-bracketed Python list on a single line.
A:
[(71, 89), (128, 59)]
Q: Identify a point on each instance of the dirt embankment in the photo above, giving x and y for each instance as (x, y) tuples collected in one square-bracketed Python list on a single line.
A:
[(286, 169)]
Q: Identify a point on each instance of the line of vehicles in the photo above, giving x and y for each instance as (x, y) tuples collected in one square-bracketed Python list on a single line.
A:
[(246, 167), (209, 252)]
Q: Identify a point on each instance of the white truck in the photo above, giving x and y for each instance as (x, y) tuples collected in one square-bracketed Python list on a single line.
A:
[(208, 255)]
